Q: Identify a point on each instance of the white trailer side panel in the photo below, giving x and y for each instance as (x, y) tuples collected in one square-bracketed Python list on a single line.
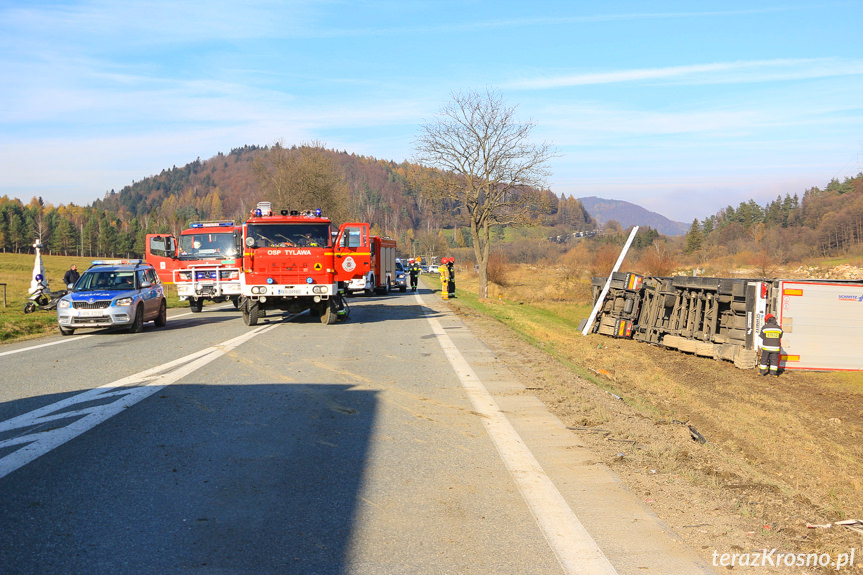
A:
[(821, 324)]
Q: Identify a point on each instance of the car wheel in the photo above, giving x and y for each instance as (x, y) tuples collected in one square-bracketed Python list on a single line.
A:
[(138, 322), (162, 318), (66, 331)]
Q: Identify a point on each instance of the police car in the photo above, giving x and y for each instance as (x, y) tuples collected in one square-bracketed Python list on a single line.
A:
[(114, 293), (401, 280)]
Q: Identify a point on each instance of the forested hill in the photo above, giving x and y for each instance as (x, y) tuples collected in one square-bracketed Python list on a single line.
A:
[(824, 222), (228, 186)]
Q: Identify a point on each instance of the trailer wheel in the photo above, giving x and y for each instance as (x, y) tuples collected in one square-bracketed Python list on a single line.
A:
[(250, 313)]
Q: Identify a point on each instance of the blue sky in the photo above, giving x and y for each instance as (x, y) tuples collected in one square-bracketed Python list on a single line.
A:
[(680, 107)]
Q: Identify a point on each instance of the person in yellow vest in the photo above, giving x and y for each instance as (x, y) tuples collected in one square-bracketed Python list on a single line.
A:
[(771, 346)]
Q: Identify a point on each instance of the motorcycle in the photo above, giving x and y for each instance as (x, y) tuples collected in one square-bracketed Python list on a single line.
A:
[(43, 299)]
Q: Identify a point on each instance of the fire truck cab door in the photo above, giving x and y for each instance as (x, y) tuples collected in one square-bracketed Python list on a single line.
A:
[(352, 251), (161, 252)]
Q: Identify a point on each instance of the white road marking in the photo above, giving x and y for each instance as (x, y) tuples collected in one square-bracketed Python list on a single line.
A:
[(42, 430), (32, 347), (576, 550), (80, 337)]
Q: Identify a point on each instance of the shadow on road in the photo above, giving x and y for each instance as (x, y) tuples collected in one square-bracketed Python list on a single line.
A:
[(253, 479)]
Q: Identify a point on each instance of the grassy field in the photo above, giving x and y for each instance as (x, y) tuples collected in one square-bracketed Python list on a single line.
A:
[(15, 272)]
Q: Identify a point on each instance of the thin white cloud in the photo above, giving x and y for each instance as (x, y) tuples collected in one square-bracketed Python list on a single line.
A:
[(700, 74)]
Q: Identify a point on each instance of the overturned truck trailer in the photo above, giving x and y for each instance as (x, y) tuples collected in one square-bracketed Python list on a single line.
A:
[(722, 317)]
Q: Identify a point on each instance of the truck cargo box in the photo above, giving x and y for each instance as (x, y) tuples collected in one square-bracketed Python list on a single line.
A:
[(821, 324)]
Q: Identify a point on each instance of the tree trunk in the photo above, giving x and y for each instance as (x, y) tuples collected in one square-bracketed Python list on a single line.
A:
[(481, 250)]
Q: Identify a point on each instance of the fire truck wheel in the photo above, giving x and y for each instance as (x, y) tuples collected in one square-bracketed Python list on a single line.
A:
[(330, 314), (236, 301), (250, 313), (196, 304)]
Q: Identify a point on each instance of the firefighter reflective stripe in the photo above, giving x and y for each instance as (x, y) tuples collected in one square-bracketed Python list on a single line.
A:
[(771, 337)]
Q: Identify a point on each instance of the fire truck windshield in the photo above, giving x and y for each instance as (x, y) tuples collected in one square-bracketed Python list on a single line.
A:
[(207, 246), (289, 235)]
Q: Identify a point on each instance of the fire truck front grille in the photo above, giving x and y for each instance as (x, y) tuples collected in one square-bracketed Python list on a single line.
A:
[(95, 305)]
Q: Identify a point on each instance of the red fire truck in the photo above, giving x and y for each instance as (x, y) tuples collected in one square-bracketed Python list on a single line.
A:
[(294, 261), (380, 275), (203, 263)]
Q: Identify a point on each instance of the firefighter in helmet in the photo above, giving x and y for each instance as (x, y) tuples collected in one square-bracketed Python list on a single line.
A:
[(771, 345), (414, 271), (450, 270), (444, 278)]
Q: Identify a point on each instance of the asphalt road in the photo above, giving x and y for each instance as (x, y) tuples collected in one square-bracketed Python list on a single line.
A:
[(395, 442)]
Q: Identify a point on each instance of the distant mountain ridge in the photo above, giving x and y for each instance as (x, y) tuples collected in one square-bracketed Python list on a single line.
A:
[(628, 214)]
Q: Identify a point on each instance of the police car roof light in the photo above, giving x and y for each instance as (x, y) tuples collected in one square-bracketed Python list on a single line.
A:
[(115, 262)]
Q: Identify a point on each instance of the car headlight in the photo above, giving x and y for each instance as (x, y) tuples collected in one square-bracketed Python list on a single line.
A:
[(64, 304), (123, 301)]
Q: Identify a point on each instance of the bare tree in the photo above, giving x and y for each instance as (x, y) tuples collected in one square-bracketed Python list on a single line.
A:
[(484, 166), (304, 178)]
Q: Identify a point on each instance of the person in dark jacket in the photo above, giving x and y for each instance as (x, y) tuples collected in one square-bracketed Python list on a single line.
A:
[(414, 271), (771, 346), (71, 276), (450, 284)]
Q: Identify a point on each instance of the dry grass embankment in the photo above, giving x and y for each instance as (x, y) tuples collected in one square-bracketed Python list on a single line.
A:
[(780, 453)]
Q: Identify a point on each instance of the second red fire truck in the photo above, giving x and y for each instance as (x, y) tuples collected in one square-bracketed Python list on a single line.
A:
[(203, 263)]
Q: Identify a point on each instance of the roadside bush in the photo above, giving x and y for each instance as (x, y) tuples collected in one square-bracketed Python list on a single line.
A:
[(497, 272)]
